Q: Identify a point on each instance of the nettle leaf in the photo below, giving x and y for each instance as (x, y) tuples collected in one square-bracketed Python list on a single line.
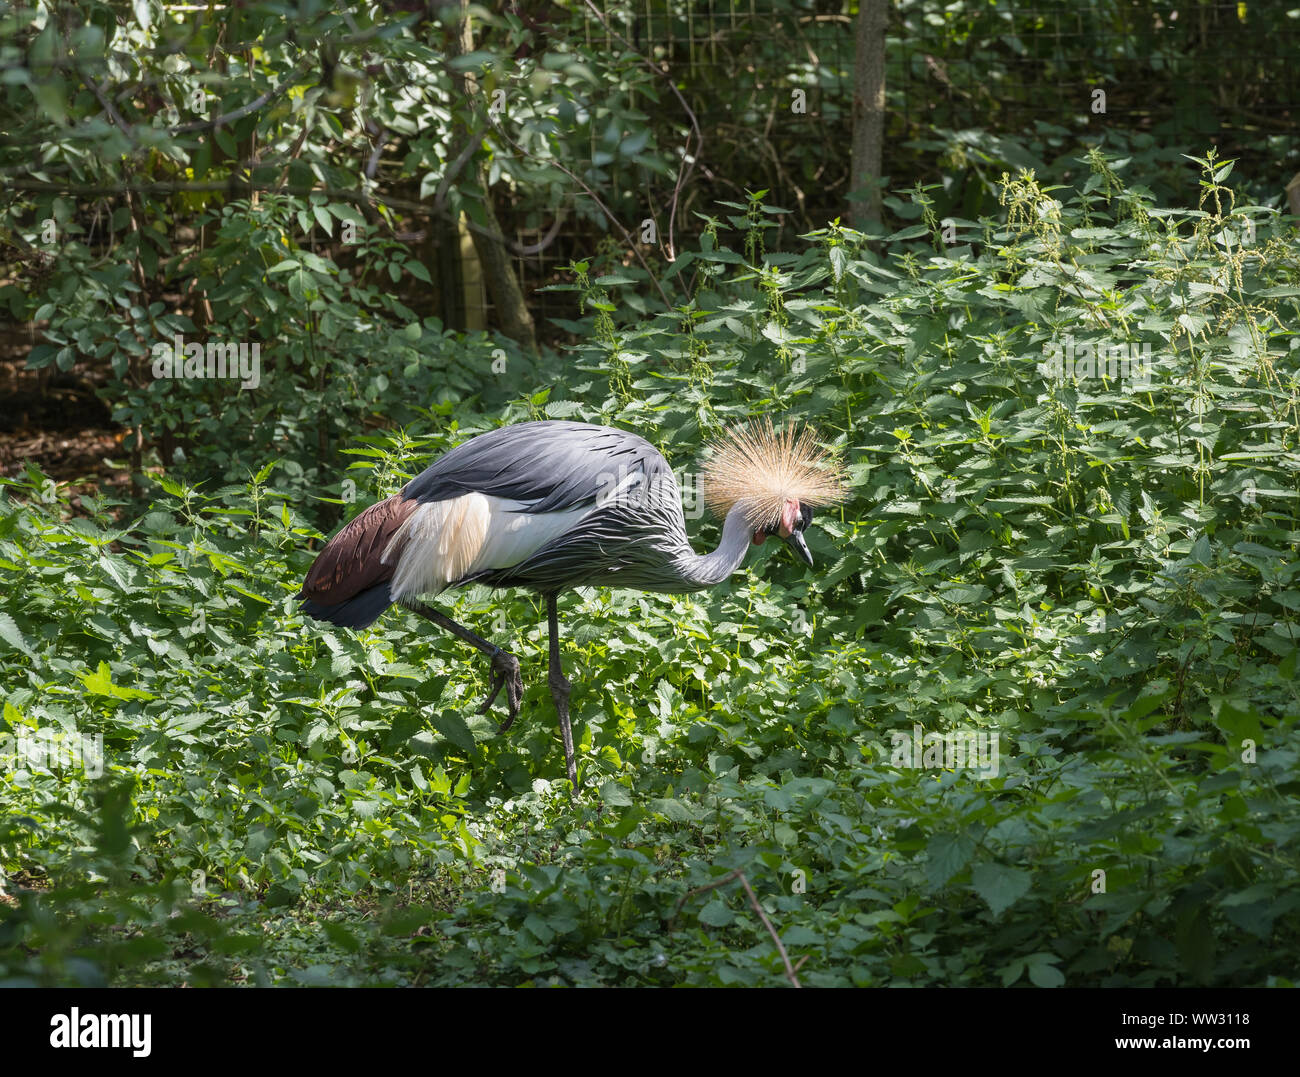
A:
[(1000, 886), (100, 683), (187, 723), (10, 633), (673, 809), (452, 726), (946, 855), (963, 594), (716, 914), (1042, 974)]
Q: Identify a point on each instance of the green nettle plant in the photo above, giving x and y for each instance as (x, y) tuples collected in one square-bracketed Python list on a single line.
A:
[(1072, 435)]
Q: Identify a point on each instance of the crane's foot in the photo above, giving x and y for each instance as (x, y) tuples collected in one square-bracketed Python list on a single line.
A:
[(560, 693), (505, 673)]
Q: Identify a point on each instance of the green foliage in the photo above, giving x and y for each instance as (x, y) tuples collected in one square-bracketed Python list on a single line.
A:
[(219, 163), (253, 176), (1097, 567)]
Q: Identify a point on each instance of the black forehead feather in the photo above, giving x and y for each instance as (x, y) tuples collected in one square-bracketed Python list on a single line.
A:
[(805, 515)]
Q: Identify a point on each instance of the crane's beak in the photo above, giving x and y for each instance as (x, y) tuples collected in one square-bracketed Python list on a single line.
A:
[(796, 542)]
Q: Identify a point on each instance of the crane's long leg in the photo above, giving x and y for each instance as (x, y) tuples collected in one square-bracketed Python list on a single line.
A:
[(560, 691), (505, 666)]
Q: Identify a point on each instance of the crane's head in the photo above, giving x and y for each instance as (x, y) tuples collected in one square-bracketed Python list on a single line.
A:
[(778, 475)]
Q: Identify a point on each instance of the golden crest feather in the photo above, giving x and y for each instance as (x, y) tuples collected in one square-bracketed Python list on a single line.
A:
[(765, 466)]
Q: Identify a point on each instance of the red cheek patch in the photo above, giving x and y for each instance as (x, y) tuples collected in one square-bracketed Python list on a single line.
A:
[(789, 518), (759, 537)]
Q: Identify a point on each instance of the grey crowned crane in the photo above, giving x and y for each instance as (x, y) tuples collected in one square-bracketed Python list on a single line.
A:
[(551, 506)]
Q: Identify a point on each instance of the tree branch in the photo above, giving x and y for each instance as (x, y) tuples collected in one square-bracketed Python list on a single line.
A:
[(272, 94), (791, 971)]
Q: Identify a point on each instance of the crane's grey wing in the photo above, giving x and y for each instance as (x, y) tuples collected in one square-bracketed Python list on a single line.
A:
[(632, 540), (550, 465)]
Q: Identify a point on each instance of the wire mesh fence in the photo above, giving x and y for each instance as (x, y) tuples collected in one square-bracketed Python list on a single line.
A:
[(970, 89)]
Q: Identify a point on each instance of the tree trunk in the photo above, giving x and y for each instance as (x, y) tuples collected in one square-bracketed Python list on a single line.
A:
[(503, 284), (868, 112)]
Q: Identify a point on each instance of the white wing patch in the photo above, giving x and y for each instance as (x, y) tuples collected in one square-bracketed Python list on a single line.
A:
[(445, 541)]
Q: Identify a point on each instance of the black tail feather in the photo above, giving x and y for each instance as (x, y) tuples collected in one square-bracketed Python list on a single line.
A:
[(356, 612)]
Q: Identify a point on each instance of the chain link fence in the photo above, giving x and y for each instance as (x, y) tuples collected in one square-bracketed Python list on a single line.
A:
[(972, 89)]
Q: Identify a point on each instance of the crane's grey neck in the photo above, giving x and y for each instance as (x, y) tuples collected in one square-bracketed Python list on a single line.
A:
[(699, 571)]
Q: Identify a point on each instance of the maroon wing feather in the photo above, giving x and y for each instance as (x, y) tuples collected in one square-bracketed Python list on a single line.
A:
[(350, 562)]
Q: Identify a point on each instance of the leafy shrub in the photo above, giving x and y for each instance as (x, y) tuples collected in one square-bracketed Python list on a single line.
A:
[(1098, 568)]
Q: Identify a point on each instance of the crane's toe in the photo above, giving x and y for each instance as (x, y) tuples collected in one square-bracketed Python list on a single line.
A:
[(505, 673), (497, 681)]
